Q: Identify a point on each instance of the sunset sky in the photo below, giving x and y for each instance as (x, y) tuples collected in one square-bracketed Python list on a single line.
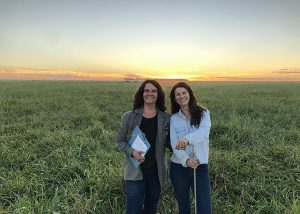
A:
[(225, 40)]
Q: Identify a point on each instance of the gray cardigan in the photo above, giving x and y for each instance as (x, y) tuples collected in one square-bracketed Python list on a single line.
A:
[(129, 121)]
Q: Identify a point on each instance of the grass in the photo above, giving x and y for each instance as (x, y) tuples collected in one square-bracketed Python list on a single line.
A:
[(58, 153)]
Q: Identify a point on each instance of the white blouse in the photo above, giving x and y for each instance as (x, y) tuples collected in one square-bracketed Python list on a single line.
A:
[(198, 138)]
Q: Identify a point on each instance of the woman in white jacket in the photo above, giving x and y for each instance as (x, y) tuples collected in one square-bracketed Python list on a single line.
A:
[(189, 130)]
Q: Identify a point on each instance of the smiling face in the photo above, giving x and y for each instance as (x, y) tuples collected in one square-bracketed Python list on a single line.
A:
[(150, 94), (182, 97)]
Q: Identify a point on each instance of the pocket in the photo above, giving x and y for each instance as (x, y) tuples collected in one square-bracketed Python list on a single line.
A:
[(165, 132), (181, 131)]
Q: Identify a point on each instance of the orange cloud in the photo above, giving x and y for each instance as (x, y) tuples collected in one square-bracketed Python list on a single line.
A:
[(17, 73), (29, 74)]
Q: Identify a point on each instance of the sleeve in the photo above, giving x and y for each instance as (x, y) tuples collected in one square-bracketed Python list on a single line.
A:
[(180, 154), (122, 143), (202, 133), (168, 142)]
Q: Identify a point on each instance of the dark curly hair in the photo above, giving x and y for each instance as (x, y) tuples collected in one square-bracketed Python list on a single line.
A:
[(139, 100), (195, 110)]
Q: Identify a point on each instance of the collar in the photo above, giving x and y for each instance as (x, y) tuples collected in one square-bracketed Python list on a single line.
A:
[(180, 114), (138, 110)]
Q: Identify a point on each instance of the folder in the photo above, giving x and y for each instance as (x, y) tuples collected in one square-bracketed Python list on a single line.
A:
[(138, 142)]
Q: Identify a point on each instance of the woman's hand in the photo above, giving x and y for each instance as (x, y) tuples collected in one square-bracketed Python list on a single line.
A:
[(138, 155), (193, 163), (181, 144)]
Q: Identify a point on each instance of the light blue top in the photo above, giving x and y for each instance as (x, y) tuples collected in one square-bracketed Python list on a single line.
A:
[(198, 138)]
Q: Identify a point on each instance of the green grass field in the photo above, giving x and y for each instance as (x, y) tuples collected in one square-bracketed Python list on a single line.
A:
[(58, 152)]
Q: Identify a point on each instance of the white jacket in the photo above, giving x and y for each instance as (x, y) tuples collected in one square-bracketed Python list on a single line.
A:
[(198, 138)]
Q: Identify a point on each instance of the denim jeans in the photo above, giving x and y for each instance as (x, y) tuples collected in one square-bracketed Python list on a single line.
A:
[(182, 179), (142, 196)]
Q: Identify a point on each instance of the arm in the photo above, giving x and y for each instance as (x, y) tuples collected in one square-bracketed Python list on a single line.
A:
[(180, 154), (168, 142), (202, 132), (122, 143)]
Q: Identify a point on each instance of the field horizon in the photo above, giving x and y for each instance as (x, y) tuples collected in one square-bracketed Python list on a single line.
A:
[(58, 151)]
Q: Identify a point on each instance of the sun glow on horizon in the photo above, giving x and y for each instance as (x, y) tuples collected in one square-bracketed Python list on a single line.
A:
[(36, 74)]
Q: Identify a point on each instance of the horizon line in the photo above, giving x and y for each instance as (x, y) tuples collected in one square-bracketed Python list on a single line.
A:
[(140, 80)]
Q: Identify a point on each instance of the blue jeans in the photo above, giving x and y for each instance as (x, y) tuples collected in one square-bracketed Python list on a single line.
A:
[(182, 179), (142, 196)]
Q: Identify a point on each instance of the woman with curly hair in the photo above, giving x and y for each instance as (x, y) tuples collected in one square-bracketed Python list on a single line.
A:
[(143, 184)]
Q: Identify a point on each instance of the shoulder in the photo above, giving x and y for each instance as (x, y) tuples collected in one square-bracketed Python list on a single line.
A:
[(175, 116), (206, 112), (166, 115), (127, 115), (131, 114), (205, 120), (205, 115), (163, 114), (163, 117)]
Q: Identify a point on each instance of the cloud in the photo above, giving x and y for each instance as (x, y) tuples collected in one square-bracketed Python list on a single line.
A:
[(246, 78), (287, 71), (10, 72), (133, 76), (226, 77)]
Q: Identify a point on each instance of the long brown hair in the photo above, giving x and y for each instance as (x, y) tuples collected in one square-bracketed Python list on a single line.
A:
[(139, 100), (195, 110)]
